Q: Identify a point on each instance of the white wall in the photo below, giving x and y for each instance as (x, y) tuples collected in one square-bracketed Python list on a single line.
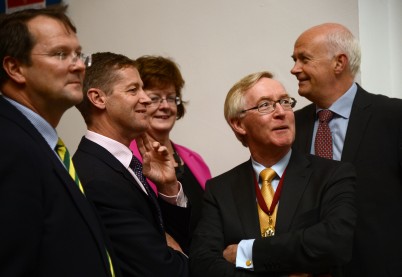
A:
[(216, 42), (381, 42)]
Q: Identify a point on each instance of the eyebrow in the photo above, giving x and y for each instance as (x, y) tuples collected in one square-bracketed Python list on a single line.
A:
[(269, 98)]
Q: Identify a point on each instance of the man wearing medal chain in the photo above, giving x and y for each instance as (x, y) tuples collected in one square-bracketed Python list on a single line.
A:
[(304, 227)]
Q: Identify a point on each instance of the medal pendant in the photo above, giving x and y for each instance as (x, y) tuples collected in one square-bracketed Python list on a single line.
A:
[(268, 232)]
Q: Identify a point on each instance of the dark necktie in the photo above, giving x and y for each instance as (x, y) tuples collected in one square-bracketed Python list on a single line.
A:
[(136, 166), (323, 138)]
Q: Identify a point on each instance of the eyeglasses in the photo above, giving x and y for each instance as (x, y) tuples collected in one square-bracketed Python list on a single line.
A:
[(71, 57), (268, 106), (171, 100)]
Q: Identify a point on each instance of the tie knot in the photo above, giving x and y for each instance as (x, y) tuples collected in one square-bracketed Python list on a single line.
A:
[(60, 143), (135, 164), (267, 174), (325, 115), (61, 149)]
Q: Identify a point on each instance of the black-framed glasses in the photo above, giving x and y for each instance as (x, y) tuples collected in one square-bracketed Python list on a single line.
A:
[(171, 100), (268, 106), (71, 57)]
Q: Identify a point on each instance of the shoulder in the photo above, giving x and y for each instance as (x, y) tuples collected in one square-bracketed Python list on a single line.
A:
[(326, 168), (307, 110), (182, 149), (241, 172), (377, 100), (187, 152)]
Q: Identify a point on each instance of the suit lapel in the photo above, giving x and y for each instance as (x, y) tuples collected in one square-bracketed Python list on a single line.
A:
[(305, 124), (294, 185), (83, 206), (245, 199), (358, 122), (102, 154)]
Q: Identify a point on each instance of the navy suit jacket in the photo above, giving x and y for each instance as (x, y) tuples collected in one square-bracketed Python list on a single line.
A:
[(373, 143), (128, 214), (314, 228), (48, 228)]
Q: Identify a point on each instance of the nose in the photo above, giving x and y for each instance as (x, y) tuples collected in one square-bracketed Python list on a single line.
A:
[(296, 68), (163, 103), (278, 109), (78, 65), (144, 98)]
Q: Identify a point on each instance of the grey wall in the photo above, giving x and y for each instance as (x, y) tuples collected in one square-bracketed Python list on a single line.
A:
[(216, 42)]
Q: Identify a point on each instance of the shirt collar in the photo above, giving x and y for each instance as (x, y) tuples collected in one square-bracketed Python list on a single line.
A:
[(343, 106), (43, 127), (117, 149), (279, 167)]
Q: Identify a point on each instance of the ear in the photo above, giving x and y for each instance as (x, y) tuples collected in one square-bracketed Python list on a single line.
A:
[(237, 126), (341, 62), (13, 68), (97, 97)]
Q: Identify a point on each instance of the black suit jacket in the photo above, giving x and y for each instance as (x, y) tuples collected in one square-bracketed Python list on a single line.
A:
[(128, 215), (48, 228), (314, 228), (373, 143)]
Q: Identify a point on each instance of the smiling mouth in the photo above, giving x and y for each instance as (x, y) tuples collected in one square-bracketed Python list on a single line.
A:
[(162, 116)]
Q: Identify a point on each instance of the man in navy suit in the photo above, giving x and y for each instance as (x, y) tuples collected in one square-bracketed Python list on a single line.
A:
[(315, 212), (366, 130), (115, 111), (48, 228)]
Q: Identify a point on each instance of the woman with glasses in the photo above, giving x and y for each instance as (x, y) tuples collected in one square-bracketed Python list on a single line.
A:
[(163, 83)]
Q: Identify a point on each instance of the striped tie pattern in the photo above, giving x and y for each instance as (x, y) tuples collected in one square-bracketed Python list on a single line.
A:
[(65, 157)]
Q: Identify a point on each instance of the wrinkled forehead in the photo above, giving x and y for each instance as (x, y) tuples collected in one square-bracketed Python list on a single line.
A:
[(266, 88)]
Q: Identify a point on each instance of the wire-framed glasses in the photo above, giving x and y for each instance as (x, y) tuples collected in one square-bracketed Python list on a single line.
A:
[(268, 106), (171, 100), (70, 58)]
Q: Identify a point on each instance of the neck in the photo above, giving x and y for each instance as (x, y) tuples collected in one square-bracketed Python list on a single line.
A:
[(269, 157)]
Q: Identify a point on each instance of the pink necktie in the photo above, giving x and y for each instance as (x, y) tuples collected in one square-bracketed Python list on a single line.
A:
[(323, 138)]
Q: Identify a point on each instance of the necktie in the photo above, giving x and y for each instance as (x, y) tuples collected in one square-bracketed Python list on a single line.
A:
[(136, 166), (65, 157), (267, 222), (323, 138)]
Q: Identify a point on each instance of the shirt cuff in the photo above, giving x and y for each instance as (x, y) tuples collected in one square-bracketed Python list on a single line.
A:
[(178, 200), (244, 255)]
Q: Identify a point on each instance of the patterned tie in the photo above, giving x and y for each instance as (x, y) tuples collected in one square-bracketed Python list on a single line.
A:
[(323, 138), (136, 166), (267, 222), (64, 155)]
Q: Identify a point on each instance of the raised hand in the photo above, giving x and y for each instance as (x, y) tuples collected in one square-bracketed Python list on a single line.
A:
[(157, 165)]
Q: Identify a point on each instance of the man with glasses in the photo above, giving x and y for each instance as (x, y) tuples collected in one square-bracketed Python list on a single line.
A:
[(115, 111), (280, 213), (48, 227)]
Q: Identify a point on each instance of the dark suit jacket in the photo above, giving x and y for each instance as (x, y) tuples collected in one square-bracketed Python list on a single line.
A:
[(48, 228), (373, 144), (128, 215), (314, 228)]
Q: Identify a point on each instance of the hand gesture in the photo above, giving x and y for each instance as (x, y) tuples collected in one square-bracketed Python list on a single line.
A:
[(157, 165)]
